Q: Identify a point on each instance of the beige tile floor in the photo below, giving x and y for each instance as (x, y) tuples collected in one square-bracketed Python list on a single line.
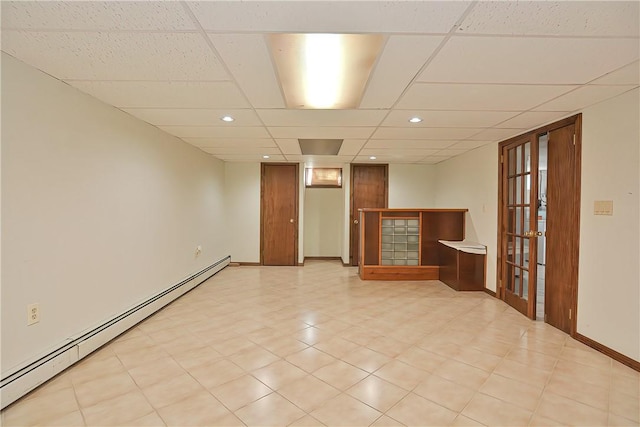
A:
[(314, 345)]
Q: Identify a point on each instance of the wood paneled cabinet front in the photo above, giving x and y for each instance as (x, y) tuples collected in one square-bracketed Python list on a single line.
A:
[(402, 244)]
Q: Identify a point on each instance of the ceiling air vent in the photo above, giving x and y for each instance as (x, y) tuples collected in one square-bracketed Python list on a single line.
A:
[(320, 147)]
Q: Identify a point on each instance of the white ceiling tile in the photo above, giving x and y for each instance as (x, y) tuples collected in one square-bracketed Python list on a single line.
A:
[(497, 134), (395, 68), (583, 97), (231, 142), (569, 18), (216, 131), (387, 159), (116, 56), (407, 144), (469, 145), (407, 152), (432, 160), (528, 60), (164, 94), (95, 15), (629, 74), (422, 96), (241, 151), (329, 17), (321, 132), (289, 146), (314, 118), (473, 119), (451, 152), (424, 133), (194, 116), (351, 147), (248, 59), (532, 119), (250, 158)]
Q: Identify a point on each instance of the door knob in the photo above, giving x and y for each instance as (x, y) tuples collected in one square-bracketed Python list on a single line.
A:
[(539, 233), (291, 221), (355, 221)]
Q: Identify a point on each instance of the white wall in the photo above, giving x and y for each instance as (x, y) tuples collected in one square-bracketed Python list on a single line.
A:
[(242, 206), (609, 276), (323, 227), (412, 186), (471, 181), (346, 219), (99, 211)]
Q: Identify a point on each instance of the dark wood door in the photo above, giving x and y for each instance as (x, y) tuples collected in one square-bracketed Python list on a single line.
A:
[(561, 234), (518, 223), (279, 214), (368, 190)]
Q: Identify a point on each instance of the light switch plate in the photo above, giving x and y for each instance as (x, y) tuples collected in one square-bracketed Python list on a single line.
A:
[(603, 207)]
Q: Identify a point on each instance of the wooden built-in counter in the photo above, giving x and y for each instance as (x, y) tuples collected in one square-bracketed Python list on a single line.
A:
[(402, 244)]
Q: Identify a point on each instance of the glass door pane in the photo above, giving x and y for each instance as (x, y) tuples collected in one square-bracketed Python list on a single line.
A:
[(517, 207)]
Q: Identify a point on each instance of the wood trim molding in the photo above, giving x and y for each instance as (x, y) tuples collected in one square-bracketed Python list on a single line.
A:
[(490, 292), (245, 264), (625, 360)]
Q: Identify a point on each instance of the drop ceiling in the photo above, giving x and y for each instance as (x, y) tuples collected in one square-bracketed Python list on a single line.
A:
[(475, 72)]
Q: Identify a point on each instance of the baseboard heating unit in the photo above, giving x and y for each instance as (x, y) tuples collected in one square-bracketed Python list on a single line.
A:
[(26, 378)]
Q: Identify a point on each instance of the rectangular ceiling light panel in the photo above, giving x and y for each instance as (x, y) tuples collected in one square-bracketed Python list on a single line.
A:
[(324, 71)]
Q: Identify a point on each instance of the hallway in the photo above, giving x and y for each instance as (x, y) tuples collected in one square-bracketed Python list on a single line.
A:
[(316, 345)]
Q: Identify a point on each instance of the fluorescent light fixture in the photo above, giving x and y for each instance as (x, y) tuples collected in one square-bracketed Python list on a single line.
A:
[(265, 157), (227, 118), (415, 120), (324, 70), (372, 157)]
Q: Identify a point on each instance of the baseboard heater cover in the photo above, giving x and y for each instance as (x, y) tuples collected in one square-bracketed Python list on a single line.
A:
[(23, 380)]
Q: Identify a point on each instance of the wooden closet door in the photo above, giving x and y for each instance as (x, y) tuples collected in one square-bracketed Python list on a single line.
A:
[(368, 190), (279, 214), (562, 230)]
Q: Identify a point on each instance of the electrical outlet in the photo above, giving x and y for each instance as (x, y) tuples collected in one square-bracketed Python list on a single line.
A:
[(198, 250), (33, 314)]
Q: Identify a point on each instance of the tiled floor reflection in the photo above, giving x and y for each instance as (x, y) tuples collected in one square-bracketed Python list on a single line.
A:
[(314, 345)]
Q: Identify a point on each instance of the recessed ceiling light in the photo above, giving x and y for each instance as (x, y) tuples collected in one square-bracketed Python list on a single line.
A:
[(265, 157), (372, 157), (415, 120), (227, 118)]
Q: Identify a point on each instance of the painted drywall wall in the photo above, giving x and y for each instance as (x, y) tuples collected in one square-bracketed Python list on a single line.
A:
[(609, 276), (99, 211), (323, 216), (471, 181), (242, 207), (346, 219), (412, 186)]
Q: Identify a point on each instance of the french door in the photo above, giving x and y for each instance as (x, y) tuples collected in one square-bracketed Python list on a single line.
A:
[(524, 205), (519, 213)]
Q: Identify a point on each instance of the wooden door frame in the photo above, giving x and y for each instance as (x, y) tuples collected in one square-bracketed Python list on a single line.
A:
[(575, 120), (386, 198), (297, 207)]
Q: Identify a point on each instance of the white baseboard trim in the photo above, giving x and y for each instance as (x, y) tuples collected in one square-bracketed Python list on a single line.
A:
[(21, 381)]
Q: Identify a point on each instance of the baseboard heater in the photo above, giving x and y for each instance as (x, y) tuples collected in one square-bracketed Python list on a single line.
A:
[(28, 377)]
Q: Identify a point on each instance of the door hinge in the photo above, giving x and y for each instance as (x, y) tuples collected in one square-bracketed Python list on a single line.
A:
[(501, 158), (574, 139), (569, 314)]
